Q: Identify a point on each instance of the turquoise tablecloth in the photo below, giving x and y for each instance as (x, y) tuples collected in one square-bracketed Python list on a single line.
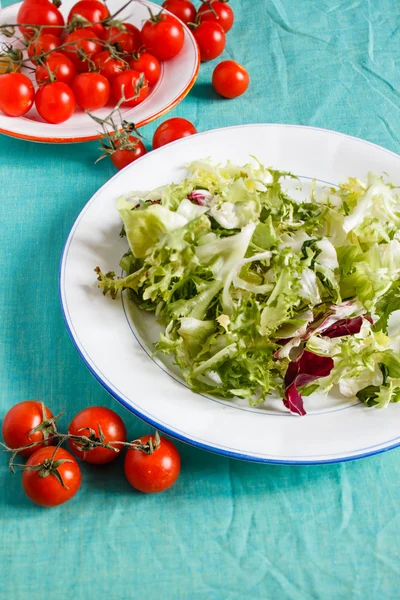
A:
[(228, 529)]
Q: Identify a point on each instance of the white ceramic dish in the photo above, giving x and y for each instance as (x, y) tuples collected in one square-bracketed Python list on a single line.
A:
[(115, 339), (177, 78)]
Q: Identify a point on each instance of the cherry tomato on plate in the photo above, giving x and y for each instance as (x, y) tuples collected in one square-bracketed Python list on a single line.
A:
[(46, 42), (102, 423), (125, 37), (57, 67), (230, 79), (16, 94), (82, 41), (171, 130), (219, 12), (19, 422), (147, 64), (42, 14), (211, 40), (183, 9), (108, 65), (8, 65), (155, 472), (91, 90), (55, 102), (57, 479), (126, 155), (92, 11), (131, 85), (163, 36)]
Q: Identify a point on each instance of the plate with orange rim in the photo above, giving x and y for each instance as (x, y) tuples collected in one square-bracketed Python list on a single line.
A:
[(177, 78)]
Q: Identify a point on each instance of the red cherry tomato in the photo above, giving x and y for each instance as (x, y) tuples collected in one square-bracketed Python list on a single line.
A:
[(220, 12), (163, 36), (91, 90), (126, 38), (20, 420), (126, 155), (59, 65), (109, 66), (147, 64), (42, 14), (112, 429), (82, 41), (156, 472), (55, 102), (211, 39), (45, 42), (183, 9), (94, 12), (171, 130), (230, 79), (56, 482), (16, 94), (132, 85)]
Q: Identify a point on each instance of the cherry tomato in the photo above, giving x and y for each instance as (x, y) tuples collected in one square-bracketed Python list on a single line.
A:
[(220, 12), (230, 79), (126, 37), (20, 420), (109, 66), (44, 15), (55, 102), (92, 11), (163, 36), (60, 66), (132, 85), (147, 64), (82, 41), (91, 90), (8, 65), (104, 423), (211, 39), (171, 130), (156, 472), (183, 9), (45, 42), (125, 156), (16, 94), (56, 482)]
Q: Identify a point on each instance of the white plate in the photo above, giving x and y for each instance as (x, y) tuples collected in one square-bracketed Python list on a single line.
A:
[(114, 339), (177, 78)]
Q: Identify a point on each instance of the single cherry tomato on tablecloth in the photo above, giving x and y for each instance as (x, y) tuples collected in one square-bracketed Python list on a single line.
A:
[(211, 40), (91, 90), (103, 425), (55, 102), (19, 422), (131, 85), (125, 37), (92, 11), (83, 44), (56, 479), (183, 9), (46, 42), (230, 79), (57, 67), (128, 152), (171, 130), (156, 471), (219, 12), (43, 14), (16, 94), (108, 65), (163, 36), (147, 64)]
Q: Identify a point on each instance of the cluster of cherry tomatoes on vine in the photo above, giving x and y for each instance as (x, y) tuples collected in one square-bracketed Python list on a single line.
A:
[(96, 435)]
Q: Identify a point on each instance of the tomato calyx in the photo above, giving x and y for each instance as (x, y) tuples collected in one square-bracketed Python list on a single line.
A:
[(149, 447), (11, 58), (86, 443), (156, 18), (47, 427), (49, 467)]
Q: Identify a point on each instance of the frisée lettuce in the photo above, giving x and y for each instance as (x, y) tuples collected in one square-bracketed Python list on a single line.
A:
[(259, 292)]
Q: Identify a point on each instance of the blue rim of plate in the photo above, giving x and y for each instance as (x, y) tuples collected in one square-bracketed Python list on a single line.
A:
[(150, 420)]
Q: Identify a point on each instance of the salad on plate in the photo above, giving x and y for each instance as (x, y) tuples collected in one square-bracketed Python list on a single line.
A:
[(260, 292)]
